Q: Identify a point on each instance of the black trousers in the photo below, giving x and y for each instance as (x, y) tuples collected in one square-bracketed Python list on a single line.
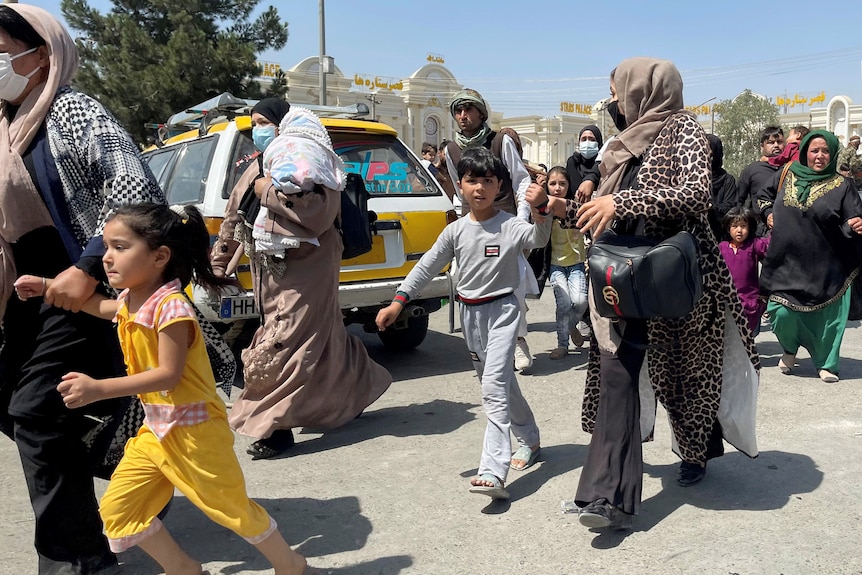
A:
[(68, 538), (41, 345), (613, 469)]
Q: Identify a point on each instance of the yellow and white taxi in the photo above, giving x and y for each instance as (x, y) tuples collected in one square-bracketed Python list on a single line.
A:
[(202, 153)]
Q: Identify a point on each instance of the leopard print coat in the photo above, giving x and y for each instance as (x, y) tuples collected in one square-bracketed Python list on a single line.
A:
[(686, 360)]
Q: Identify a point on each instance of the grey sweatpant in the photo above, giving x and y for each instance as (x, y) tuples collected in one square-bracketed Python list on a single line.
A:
[(490, 331)]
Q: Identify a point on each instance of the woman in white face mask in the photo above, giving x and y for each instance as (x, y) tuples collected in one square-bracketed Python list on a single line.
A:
[(65, 162), (583, 165)]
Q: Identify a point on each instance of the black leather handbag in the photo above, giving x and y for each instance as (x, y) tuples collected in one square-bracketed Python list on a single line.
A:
[(635, 277)]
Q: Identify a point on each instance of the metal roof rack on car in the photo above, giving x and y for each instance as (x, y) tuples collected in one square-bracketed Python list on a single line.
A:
[(352, 111), (225, 107)]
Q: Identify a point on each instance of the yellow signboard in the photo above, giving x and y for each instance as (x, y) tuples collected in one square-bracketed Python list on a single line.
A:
[(798, 100), (376, 83), (436, 58), (269, 69), (572, 108), (702, 110)]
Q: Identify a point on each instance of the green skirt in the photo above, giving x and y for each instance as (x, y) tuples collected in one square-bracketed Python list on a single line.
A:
[(820, 332)]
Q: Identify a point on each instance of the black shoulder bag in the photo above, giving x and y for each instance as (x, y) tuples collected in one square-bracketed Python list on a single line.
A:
[(637, 277)]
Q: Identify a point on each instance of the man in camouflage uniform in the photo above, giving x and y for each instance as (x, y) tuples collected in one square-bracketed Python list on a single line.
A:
[(849, 157)]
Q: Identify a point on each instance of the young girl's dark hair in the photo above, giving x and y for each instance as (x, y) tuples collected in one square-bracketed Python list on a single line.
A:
[(570, 193), (479, 162), (740, 214), (182, 229)]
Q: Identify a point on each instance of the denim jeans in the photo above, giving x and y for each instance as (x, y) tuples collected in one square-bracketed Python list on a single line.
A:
[(570, 292)]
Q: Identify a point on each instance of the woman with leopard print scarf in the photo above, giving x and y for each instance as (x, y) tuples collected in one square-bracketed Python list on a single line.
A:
[(656, 182)]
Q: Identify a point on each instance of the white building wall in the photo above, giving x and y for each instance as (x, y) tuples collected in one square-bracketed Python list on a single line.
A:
[(407, 105)]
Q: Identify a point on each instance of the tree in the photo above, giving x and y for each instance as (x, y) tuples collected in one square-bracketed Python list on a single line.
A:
[(740, 122), (147, 59)]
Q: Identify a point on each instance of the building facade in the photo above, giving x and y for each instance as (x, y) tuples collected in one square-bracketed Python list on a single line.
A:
[(416, 106)]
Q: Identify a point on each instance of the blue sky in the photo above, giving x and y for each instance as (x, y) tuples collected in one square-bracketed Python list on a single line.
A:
[(527, 57)]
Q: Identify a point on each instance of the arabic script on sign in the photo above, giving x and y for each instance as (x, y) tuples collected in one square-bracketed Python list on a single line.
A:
[(800, 100), (376, 83)]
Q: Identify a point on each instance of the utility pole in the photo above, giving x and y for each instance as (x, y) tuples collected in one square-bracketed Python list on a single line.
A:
[(712, 111), (372, 97), (321, 68)]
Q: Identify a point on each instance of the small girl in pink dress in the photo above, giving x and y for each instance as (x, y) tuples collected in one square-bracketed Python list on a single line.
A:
[(742, 254)]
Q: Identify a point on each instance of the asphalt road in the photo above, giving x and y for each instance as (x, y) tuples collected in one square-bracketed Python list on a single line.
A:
[(388, 493)]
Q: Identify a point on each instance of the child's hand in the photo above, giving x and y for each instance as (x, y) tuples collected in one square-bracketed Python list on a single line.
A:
[(585, 191), (387, 315), (536, 195), (28, 286), (78, 390), (541, 179)]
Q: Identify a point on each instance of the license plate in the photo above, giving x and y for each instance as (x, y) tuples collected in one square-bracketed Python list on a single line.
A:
[(237, 307)]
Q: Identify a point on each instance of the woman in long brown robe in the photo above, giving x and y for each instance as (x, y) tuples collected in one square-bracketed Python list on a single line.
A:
[(302, 368)]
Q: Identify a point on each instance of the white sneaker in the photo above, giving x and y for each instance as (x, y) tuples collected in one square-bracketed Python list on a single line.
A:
[(523, 359), (785, 364), (584, 329), (828, 376)]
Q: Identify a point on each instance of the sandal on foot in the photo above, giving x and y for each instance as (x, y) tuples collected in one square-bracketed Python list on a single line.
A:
[(281, 440), (495, 491), (827, 376), (526, 454), (786, 363)]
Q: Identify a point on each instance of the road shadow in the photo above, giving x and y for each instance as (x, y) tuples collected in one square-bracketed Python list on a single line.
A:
[(771, 351), (313, 527), (732, 483), (439, 354), (436, 417), (543, 365), (543, 326), (553, 461)]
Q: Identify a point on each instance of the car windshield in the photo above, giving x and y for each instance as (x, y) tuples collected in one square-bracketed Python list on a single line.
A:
[(182, 171), (383, 163)]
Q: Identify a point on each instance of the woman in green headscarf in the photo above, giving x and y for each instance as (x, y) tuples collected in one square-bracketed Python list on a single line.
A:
[(814, 254)]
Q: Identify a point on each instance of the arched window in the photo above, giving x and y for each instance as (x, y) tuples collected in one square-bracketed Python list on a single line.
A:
[(432, 130)]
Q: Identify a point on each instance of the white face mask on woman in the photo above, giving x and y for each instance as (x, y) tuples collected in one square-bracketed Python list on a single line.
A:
[(588, 149), (12, 84)]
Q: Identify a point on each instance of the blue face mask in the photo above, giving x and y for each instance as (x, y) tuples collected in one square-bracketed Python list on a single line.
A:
[(588, 149), (262, 136)]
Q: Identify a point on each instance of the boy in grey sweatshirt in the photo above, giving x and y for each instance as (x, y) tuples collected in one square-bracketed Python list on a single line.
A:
[(485, 245)]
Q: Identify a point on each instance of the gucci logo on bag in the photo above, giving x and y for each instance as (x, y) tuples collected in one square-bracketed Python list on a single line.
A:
[(610, 295)]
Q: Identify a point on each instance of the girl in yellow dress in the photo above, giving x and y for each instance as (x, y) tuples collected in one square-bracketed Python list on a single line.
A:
[(185, 443)]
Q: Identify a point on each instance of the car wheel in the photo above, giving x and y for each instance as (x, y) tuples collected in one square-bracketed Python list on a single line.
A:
[(407, 337)]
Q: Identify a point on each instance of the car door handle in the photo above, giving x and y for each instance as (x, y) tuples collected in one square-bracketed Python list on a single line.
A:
[(385, 225)]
